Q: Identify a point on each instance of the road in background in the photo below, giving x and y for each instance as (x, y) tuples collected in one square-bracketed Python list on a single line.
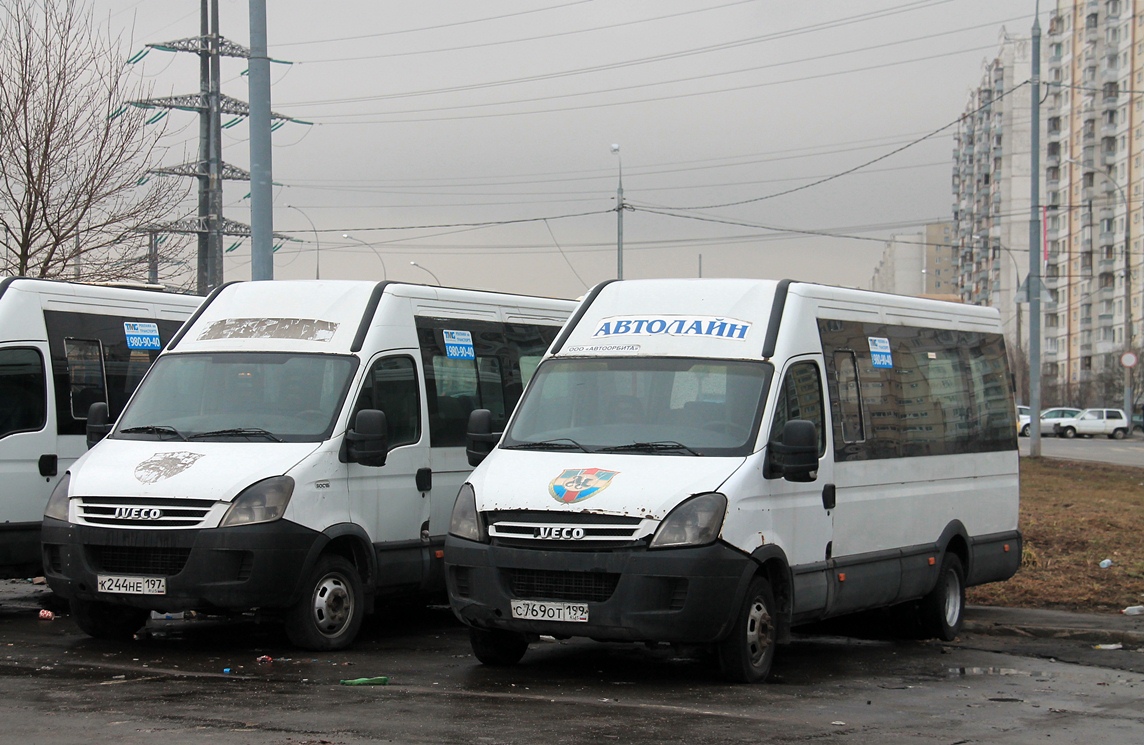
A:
[(1126, 452)]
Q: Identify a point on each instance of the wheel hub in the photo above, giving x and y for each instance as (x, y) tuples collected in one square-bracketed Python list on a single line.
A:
[(333, 605)]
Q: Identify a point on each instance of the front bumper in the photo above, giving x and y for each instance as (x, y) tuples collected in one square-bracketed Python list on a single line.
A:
[(685, 596), (233, 569)]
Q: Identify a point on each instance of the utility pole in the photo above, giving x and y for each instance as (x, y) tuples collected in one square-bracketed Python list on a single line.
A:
[(1035, 244), (261, 178)]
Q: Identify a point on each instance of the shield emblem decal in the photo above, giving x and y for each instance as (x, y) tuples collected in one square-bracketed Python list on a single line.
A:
[(577, 484)]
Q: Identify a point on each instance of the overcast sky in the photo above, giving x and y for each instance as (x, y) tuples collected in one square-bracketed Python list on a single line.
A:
[(475, 137)]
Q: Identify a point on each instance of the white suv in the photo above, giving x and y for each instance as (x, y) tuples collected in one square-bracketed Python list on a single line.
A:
[(1110, 422)]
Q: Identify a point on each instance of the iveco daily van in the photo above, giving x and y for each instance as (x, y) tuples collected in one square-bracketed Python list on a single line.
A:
[(63, 347), (295, 451), (711, 462)]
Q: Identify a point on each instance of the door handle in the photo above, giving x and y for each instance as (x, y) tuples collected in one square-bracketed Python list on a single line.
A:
[(424, 479), (828, 497)]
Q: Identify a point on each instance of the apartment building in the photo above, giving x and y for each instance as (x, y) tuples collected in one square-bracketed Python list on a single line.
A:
[(991, 185), (1094, 111), (920, 264)]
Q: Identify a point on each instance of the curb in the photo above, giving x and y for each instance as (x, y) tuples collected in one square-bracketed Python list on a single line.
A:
[(1126, 637)]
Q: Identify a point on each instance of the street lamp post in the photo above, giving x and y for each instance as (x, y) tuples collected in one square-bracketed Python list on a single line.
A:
[(619, 216), (426, 269), (317, 243), (384, 273)]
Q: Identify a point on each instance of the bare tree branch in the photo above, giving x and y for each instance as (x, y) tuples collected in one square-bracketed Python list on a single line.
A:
[(74, 157)]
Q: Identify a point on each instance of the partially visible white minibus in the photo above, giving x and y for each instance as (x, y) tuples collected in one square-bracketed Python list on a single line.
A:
[(715, 461), (63, 347)]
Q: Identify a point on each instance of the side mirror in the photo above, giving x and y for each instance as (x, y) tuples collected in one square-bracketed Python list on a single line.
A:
[(97, 422), (367, 441), (795, 458), (479, 436)]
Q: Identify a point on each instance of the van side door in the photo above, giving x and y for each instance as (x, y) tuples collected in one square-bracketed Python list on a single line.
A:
[(802, 511), (385, 500)]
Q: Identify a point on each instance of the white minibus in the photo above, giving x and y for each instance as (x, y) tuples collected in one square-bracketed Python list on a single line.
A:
[(293, 453), (63, 347), (712, 462)]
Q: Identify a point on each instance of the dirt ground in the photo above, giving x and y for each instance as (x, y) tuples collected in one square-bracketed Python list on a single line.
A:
[(1074, 515)]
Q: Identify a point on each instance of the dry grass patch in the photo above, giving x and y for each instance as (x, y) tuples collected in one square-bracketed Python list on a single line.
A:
[(1074, 515)]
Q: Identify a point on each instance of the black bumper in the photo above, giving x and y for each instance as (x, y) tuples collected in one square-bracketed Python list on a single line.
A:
[(686, 596), (232, 569)]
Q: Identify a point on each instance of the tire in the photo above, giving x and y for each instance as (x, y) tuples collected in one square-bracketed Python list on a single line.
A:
[(497, 648), (1118, 434), (107, 620), (746, 656), (942, 610), (1025, 431), (329, 613), (1068, 433)]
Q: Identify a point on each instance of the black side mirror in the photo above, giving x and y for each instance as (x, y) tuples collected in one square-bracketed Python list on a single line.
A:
[(479, 436), (367, 442), (97, 422), (795, 458)]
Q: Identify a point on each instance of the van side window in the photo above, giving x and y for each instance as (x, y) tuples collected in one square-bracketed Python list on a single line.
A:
[(391, 385), (86, 384), (849, 400), (23, 391), (800, 397)]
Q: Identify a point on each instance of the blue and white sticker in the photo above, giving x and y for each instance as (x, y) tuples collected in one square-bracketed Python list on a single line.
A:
[(142, 335), (880, 351), (459, 345)]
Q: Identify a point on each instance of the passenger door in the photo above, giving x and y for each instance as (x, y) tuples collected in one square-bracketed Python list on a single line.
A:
[(386, 500), (1091, 423), (802, 512), (25, 435)]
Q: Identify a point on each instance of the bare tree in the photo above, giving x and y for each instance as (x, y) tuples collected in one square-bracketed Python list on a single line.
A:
[(75, 197)]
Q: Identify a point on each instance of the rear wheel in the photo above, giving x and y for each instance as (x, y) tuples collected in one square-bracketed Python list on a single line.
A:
[(496, 647), (746, 656), (943, 608), (1025, 431), (108, 621), (329, 614), (1118, 434)]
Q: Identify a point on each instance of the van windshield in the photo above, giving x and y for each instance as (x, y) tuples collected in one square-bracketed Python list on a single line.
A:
[(643, 405), (239, 397)]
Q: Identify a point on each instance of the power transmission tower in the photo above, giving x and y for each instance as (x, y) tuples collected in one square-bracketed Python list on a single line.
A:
[(209, 169)]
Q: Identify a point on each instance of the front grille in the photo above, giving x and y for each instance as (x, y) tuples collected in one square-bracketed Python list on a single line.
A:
[(540, 584), (556, 531), (143, 512), (137, 560)]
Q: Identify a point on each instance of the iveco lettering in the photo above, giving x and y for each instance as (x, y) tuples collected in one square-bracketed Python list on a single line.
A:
[(711, 463)]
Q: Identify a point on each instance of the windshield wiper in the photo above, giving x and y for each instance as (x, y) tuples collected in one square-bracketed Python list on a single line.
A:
[(559, 443), (153, 429), (663, 446), (236, 432)]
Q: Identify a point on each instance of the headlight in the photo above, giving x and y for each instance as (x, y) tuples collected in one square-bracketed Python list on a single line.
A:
[(57, 508), (263, 502), (696, 522), (465, 522)]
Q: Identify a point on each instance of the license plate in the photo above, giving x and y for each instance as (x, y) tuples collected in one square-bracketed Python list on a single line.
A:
[(124, 585), (531, 610)]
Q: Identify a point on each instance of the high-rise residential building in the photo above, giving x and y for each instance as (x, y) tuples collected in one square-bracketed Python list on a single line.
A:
[(1094, 109), (919, 263), (991, 188)]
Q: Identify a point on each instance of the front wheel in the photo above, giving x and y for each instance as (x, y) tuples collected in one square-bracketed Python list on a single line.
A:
[(1068, 433), (1025, 431), (746, 656), (496, 647), (943, 608), (329, 614), (108, 621)]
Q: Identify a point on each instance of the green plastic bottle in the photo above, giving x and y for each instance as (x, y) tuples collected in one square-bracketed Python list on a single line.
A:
[(378, 681)]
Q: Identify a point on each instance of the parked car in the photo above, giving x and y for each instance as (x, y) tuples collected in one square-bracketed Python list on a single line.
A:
[(1023, 413), (1110, 422), (1138, 423), (1049, 417)]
